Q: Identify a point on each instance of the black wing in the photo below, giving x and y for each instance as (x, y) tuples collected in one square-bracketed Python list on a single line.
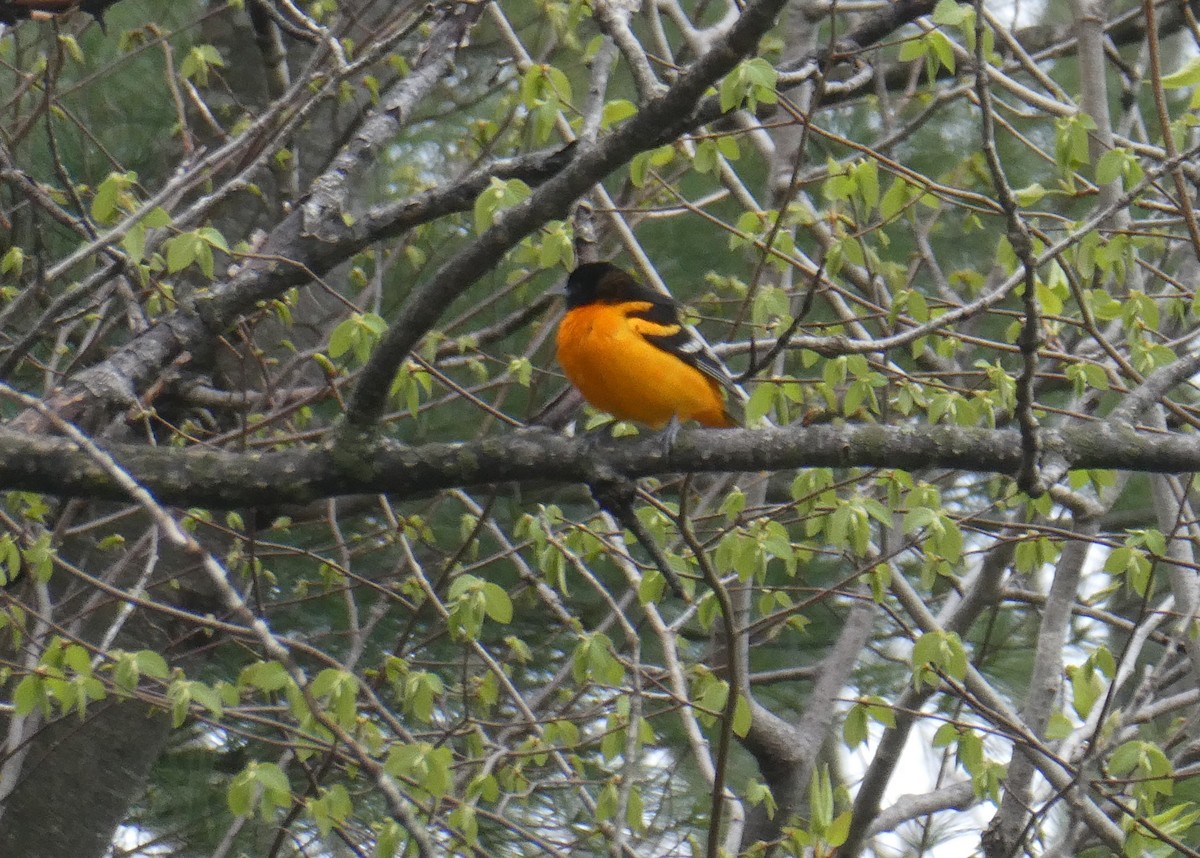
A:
[(662, 327)]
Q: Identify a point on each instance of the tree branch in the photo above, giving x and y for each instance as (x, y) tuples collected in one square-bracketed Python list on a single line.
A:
[(229, 479)]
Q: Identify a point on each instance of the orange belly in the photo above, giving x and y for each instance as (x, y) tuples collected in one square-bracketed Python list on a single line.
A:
[(617, 371)]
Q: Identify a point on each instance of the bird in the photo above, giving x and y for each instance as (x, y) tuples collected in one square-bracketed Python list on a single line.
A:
[(624, 347), (12, 11)]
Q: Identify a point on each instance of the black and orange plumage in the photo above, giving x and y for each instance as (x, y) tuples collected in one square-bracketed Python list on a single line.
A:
[(12, 11), (625, 348)]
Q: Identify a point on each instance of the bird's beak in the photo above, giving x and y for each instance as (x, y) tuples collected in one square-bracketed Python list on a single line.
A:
[(557, 292)]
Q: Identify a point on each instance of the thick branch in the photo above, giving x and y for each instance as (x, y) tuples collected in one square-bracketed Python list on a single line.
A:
[(225, 479)]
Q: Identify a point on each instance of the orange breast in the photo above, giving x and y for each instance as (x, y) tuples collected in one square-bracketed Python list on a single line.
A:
[(618, 371)]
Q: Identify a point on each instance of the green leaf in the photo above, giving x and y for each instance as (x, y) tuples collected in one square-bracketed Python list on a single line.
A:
[(1111, 166), (820, 798), (181, 251), (498, 196), (274, 781), (606, 802), (734, 503), (1154, 540), (559, 83), (942, 48), (342, 338), (837, 187), (761, 403), (643, 162), (340, 688), (741, 716), (950, 13), (76, 658), (325, 682), (30, 694), (1086, 688), (753, 81), (1071, 140), (760, 794), (387, 841), (730, 91), (213, 238), (265, 676), (207, 697), (705, 160), (1125, 758), (421, 689), (111, 197), (1059, 726), (854, 728), (897, 198), (521, 368), (358, 335), (240, 795), (839, 829), (134, 242), (13, 261), (940, 651), (10, 559), (651, 588), (332, 807), (1030, 194), (1189, 75), (156, 218), (71, 46), (427, 766), (198, 62), (125, 672), (634, 810), (912, 49), (615, 111), (593, 659), (866, 175), (499, 605)]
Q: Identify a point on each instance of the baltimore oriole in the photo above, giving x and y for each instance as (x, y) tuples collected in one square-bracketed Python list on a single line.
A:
[(12, 11), (624, 347)]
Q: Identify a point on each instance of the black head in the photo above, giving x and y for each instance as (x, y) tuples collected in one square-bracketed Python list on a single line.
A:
[(605, 283)]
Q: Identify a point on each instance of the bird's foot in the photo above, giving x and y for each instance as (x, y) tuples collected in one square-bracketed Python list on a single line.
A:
[(669, 433)]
